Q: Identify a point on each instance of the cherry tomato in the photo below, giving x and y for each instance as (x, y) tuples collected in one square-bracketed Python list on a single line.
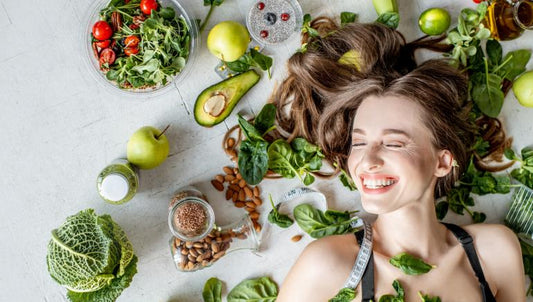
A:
[(102, 30), (103, 44), (131, 41), (147, 6), (131, 51), (107, 56), (478, 1)]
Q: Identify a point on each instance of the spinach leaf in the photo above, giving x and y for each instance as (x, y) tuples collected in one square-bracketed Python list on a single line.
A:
[(426, 298), (348, 17), (306, 27), (389, 19), (317, 224), (524, 174), (487, 93), (254, 290), (264, 121), (212, 290), (253, 161), (400, 294), (494, 52), (344, 295), (250, 132), (242, 64), (516, 63), (345, 179), (410, 265), (262, 61), (280, 157), (478, 217), (275, 217)]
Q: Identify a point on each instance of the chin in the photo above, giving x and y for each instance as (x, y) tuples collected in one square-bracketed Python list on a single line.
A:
[(375, 207)]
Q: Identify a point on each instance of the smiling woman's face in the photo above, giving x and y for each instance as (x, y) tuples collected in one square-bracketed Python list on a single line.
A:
[(392, 159)]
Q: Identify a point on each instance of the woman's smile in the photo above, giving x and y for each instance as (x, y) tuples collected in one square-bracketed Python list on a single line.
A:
[(377, 183)]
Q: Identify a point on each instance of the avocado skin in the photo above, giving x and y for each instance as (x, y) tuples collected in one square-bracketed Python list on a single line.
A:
[(233, 88)]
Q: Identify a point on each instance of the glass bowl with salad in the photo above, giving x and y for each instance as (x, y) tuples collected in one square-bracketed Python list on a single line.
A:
[(140, 46)]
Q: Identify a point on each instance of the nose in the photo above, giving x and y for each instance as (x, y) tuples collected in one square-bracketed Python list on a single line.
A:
[(371, 160)]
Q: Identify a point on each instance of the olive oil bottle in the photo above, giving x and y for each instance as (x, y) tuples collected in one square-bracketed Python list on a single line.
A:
[(507, 20)]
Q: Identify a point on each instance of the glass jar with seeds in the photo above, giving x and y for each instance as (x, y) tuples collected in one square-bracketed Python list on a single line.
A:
[(197, 241), (274, 21)]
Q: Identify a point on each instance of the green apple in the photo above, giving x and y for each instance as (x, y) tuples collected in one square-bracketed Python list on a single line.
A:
[(523, 89), (228, 40), (147, 147)]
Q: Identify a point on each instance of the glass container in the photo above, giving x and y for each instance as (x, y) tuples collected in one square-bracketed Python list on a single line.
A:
[(118, 182), (507, 20), (274, 21)]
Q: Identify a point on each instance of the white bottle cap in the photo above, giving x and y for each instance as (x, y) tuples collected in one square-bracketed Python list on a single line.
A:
[(114, 187)]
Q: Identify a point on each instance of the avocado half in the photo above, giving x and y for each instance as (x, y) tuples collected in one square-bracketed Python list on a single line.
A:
[(216, 102)]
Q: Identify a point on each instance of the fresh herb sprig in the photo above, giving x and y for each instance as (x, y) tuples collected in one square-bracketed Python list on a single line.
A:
[(275, 217), (320, 224)]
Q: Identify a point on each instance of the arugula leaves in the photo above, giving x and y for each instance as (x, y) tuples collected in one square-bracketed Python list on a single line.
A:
[(212, 290), (344, 295), (320, 224), (400, 294), (252, 58), (275, 217), (258, 290), (410, 265)]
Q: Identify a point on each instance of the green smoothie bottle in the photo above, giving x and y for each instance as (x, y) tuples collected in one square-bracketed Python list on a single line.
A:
[(118, 182)]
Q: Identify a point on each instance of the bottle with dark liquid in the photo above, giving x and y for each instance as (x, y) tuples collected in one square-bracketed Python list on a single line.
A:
[(507, 20)]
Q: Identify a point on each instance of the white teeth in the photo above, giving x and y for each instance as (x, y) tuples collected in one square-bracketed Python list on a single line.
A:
[(377, 183)]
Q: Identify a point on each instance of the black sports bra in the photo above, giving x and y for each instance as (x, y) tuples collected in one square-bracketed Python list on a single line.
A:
[(367, 280)]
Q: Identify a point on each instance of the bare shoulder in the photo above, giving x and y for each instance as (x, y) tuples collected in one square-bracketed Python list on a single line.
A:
[(320, 270), (501, 258)]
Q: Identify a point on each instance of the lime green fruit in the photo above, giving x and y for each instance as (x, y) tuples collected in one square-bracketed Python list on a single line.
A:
[(523, 89), (434, 21), (147, 148), (228, 40)]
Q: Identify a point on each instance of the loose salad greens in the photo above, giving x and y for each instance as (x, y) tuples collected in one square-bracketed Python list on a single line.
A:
[(143, 45), (91, 256), (344, 295)]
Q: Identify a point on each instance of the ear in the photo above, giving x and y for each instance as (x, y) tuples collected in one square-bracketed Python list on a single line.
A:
[(444, 163)]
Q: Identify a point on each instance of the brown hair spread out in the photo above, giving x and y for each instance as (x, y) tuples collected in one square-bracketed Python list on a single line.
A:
[(320, 96)]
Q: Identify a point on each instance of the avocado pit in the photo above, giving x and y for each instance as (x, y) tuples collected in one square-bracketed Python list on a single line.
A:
[(215, 105)]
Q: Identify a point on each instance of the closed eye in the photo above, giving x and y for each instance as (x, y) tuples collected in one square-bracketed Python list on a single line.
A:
[(393, 145)]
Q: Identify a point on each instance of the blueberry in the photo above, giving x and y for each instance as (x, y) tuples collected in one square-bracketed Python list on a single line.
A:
[(270, 18)]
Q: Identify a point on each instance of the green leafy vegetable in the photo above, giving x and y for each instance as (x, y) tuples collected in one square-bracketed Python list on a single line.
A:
[(319, 224), (345, 179), (524, 174), (253, 160), (344, 295), (527, 259), (254, 290), (249, 130), (306, 27), (252, 58), (410, 265), (426, 298), (400, 294), (275, 217), (487, 93), (390, 19), (348, 17), (91, 256), (442, 209), (212, 290), (264, 122)]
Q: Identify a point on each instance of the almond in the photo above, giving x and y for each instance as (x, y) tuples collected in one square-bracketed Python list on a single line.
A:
[(219, 178), (229, 194), (229, 177), (228, 170), (231, 142), (239, 204), (250, 204), (235, 187), (296, 238), (218, 185), (242, 195), (235, 196), (254, 215), (242, 183), (248, 209), (257, 201), (256, 191), (248, 192)]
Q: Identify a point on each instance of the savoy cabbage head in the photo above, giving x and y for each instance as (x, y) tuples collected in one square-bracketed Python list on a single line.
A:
[(91, 256)]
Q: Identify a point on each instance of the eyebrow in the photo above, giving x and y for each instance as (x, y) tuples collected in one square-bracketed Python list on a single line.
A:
[(385, 131)]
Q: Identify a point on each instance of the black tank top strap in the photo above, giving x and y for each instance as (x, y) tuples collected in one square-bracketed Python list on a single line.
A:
[(367, 281), (468, 245)]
